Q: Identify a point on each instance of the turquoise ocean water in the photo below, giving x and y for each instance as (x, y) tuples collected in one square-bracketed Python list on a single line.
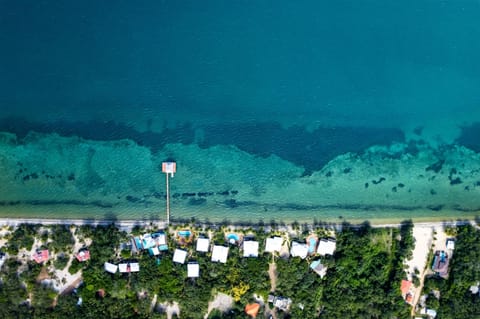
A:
[(272, 109)]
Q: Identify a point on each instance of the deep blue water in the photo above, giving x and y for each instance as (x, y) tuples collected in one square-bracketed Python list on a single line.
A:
[(243, 70)]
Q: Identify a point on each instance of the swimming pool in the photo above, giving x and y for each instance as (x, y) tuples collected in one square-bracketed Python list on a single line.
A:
[(184, 233)]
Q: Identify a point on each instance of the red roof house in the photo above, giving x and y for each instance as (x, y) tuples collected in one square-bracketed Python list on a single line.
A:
[(83, 255), (40, 256)]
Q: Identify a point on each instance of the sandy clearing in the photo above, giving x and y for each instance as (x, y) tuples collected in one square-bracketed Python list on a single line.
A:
[(221, 302), (423, 241)]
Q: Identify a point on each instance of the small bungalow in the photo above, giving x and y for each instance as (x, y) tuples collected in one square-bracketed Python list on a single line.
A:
[(40, 256), (83, 255), (319, 268), (193, 270), (219, 254), (129, 267), (203, 245), (179, 256), (299, 250), (111, 268), (250, 248), (326, 247), (273, 244)]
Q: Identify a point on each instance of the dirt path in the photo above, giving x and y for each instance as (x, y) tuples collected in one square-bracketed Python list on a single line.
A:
[(272, 273)]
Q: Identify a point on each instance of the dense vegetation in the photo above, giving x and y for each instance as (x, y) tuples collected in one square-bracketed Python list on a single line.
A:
[(362, 281), (456, 300)]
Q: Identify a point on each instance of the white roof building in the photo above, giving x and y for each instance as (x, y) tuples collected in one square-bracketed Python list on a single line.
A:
[(250, 248), (450, 244), (203, 244), (179, 256), (220, 254), (129, 267), (273, 244), (326, 247), (299, 250), (193, 270), (111, 268)]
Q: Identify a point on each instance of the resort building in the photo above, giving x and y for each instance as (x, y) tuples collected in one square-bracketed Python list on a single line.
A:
[(83, 255), (179, 256), (40, 256), (326, 247), (299, 250), (219, 254), (281, 303), (203, 245), (193, 270), (250, 248), (111, 268), (128, 267), (273, 244), (147, 241), (440, 263), (407, 290)]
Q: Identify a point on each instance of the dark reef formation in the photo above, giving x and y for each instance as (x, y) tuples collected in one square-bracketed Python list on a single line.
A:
[(309, 149)]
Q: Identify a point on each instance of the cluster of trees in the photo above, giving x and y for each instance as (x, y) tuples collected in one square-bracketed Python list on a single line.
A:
[(362, 281), (456, 299)]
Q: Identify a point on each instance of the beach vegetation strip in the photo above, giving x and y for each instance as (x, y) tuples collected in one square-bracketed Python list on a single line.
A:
[(360, 279)]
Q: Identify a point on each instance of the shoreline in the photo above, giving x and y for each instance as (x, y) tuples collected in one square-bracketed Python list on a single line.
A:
[(129, 224)]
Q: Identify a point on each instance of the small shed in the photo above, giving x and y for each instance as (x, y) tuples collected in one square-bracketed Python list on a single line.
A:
[(169, 168), (450, 244)]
